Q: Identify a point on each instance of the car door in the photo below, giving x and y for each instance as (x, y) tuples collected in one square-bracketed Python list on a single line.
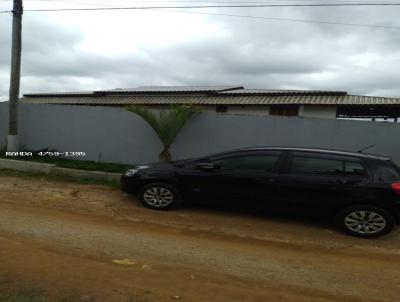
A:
[(235, 177), (318, 181)]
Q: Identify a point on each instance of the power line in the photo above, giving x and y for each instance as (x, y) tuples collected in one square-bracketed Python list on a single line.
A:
[(228, 3), (215, 1), (249, 3), (291, 20), (212, 6), (162, 8)]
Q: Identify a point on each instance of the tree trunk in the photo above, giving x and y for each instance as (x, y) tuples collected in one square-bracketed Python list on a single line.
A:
[(165, 155)]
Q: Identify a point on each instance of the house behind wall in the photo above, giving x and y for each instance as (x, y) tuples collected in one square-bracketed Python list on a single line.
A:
[(235, 100)]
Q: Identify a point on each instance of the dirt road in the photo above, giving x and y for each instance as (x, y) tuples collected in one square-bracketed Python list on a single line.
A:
[(64, 238)]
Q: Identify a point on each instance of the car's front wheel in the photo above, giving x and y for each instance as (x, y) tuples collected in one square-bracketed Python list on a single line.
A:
[(159, 196), (365, 221)]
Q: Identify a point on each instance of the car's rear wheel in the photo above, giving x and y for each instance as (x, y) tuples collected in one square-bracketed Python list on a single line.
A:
[(159, 196), (365, 221)]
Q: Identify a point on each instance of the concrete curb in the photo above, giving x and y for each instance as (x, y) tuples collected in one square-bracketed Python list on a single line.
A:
[(27, 166)]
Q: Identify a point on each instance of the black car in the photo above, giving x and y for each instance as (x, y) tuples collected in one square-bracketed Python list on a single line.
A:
[(361, 191)]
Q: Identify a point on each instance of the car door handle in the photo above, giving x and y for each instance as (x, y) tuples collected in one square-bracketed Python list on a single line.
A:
[(352, 182), (268, 180), (348, 181)]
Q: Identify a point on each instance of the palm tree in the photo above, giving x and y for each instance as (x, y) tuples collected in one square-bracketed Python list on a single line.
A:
[(166, 123)]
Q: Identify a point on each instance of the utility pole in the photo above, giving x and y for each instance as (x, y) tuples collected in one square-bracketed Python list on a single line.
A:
[(12, 138)]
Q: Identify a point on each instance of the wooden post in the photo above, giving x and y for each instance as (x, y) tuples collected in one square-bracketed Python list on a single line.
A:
[(12, 138)]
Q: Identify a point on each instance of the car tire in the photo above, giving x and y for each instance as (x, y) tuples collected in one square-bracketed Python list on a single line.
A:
[(365, 221), (160, 196)]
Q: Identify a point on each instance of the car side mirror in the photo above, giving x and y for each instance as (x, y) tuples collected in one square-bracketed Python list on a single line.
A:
[(207, 166)]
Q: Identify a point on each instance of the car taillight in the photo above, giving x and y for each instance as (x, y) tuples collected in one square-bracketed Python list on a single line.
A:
[(396, 187)]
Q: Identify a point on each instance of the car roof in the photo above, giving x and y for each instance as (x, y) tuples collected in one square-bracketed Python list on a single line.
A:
[(315, 150)]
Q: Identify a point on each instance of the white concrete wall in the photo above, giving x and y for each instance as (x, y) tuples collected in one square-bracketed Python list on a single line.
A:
[(232, 109), (249, 110), (314, 111), (116, 135), (309, 111)]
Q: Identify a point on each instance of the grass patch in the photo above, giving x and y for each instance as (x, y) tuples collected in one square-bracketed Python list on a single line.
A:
[(75, 164), (24, 296), (37, 296), (79, 180)]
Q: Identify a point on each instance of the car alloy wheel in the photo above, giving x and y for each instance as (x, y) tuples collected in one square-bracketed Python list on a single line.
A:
[(365, 222), (158, 197)]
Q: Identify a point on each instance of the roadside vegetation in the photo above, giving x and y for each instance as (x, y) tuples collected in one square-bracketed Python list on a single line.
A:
[(74, 164), (27, 296), (36, 296), (23, 296), (80, 180), (10, 292)]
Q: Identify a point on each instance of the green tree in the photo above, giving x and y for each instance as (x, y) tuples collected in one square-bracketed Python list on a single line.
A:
[(166, 123)]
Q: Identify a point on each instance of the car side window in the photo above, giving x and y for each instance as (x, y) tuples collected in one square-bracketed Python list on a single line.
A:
[(314, 165), (248, 162), (326, 166)]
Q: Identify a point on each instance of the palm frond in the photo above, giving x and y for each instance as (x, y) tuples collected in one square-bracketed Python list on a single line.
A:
[(148, 115), (173, 121), (167, 123)]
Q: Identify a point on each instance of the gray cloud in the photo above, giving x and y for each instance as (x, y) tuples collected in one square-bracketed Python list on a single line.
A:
[(255, 53)]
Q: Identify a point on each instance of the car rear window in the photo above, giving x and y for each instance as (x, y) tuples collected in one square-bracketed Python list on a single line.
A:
[(326, 166), (312, 165), (396, 167), (392, 173), (354, 168)]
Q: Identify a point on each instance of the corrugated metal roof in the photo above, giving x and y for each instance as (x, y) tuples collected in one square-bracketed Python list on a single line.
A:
[(217, 100), (117, 100), (178, 90), (281, 92), (59, 94), (169, 89)]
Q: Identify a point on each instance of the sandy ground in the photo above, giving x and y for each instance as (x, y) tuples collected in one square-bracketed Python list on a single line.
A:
[(64, 238)]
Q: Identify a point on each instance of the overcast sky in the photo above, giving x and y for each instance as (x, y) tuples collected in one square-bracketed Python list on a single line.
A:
[(80, 51)]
